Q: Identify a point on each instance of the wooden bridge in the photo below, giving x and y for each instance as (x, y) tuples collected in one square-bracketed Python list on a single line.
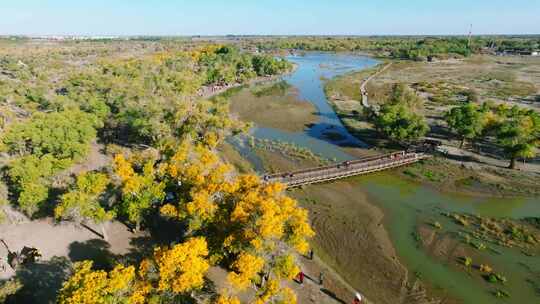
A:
[(346, 169)]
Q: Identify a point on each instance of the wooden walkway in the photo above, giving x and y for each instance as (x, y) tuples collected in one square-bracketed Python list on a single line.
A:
[(346, 169)]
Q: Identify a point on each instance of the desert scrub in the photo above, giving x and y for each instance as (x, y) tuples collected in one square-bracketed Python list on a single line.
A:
[(3, 201), (479, 245), (436, 225), (441, 92), (458, 219), (429, 170), (467, 261), (499, 293), (522, 234), (495, 278), (346, 86)]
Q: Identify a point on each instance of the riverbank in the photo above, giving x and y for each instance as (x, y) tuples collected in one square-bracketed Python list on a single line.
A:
[(465, 171)]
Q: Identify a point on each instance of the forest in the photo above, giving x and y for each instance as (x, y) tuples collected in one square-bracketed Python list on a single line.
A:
[(141, 103), (407, 47)]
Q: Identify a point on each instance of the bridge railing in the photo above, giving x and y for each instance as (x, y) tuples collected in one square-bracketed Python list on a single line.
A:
[(346, 169), (352, 162), (347, 173)]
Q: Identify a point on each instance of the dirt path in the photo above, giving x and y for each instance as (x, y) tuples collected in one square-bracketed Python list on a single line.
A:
[(363, 89), (61, 240), (333, 290), (478, 161)]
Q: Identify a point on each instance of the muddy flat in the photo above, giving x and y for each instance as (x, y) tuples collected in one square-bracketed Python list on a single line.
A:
[(282, 111)]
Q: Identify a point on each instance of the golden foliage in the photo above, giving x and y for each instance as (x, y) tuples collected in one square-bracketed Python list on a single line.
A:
[(486, 268), (140, 188), (182, 268), (224, 299), (86, 286), (246, 267), (274, 293), (286, 267), (242, 218), (171, 271)]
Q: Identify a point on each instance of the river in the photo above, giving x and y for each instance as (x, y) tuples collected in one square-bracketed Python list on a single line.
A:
[(407, 203)]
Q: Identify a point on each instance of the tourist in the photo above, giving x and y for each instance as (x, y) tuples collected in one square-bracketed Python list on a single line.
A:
[(357, 299), (300, 277)]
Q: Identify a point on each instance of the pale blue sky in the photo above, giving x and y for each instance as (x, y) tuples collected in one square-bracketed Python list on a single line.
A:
[(277, 17)]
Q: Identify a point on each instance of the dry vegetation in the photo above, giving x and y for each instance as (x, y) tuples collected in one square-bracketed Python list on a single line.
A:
[(509, 80)]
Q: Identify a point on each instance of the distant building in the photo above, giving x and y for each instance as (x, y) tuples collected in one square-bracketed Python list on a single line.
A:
[(518, 53)]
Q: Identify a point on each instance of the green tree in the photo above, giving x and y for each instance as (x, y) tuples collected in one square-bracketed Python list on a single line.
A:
[(64, 135), (398, 118), (265, 65), (30, 176), (82, 202), (519, 135), (467, 121)]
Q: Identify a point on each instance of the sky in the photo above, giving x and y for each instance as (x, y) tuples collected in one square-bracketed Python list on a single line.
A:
[(268, 17)]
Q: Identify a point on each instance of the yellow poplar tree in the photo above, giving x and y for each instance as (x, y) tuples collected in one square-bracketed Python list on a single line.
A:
[(86, 286), (245, 220), (140, 190), (182, 267), (82, 202)]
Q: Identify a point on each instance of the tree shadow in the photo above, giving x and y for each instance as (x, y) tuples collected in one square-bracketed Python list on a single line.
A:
[(161, 232), (140, 248), (46, 209), (332, 295), (95, 250), (41, 281)]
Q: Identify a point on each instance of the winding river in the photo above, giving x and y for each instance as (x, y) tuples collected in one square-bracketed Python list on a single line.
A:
[(407, 203)]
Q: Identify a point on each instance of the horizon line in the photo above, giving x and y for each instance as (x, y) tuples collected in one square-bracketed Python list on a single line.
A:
[(262, 35)]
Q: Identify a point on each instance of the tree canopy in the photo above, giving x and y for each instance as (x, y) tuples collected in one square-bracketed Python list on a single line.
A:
[(519, 135), (399, 119), (82, 202), (467, 120)]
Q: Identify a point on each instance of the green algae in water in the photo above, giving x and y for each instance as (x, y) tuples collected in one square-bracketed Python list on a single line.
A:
[(405, 202)]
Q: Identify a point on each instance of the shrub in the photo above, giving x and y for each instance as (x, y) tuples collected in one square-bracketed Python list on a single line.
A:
[(467, 261)]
